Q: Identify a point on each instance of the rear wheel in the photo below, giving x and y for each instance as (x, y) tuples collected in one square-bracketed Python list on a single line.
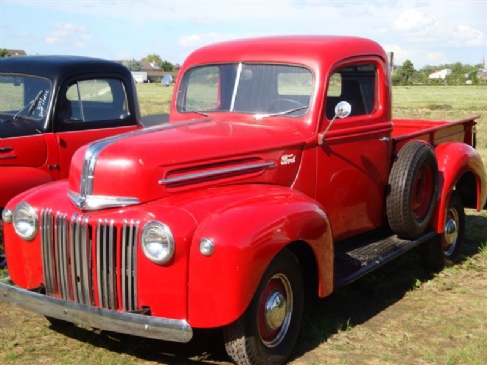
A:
[(445, 249), (267, 332)]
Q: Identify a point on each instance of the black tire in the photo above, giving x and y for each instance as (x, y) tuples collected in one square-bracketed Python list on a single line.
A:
[(413, 191), (445, 249), (258, 339)]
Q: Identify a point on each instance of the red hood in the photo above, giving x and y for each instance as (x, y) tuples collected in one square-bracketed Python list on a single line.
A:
[(152, 163)]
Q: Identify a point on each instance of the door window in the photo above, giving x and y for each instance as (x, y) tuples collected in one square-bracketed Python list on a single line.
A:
[(94, 100), (355, 84)]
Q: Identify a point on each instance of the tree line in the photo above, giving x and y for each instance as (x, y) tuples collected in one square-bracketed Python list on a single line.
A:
[(460, 74), (164, 65)]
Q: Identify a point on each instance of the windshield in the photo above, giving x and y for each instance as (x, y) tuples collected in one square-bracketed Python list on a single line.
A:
[(17, 94), (246, 88)]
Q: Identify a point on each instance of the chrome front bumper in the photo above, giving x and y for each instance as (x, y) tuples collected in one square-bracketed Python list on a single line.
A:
[(104, 319)]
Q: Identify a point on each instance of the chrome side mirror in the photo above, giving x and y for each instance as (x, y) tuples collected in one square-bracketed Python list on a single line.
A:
[(342, 110)]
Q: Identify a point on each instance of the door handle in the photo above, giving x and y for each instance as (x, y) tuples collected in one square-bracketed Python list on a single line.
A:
[(384, 139)]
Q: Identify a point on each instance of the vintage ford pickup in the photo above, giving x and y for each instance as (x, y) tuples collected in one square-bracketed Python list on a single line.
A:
[(280, 172), (52, 105)]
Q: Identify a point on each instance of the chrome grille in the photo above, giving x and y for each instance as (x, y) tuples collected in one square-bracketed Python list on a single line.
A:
[(90, 264)]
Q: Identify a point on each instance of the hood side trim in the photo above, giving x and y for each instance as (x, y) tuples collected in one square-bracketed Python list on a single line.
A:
[(228, 170)]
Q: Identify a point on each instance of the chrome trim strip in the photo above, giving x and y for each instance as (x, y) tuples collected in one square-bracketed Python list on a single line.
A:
[(96, 202), (235, 87), (47, 251), (122, 322), (62, 250), (211, 173), (110, 270), (93, 152)]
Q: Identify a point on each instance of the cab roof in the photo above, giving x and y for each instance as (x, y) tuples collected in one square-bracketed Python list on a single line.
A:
[(306, 50), (59, 67)]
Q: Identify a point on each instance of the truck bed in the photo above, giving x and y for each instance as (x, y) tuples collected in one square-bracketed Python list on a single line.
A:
[(434, 131)]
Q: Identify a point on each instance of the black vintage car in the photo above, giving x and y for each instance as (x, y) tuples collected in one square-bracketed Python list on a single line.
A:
[(52, 105)]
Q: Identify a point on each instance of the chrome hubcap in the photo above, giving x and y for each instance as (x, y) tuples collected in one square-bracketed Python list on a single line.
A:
[(275, 310), (450, 234)]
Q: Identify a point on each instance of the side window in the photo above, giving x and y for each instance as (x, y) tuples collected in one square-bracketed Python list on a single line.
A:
[(202, 92), (355, 84), (94, 100)]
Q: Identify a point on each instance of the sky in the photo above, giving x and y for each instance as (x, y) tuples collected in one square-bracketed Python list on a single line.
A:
[(425, 32)]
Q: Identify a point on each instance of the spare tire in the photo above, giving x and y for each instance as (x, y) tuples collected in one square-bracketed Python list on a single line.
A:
[(413, 183)]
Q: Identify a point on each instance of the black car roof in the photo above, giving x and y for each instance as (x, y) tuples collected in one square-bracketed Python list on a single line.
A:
[(59, 67)]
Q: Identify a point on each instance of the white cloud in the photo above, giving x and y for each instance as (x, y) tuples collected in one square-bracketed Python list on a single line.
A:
[(464, 35), (68, 33), (412, 20), (420, 27), (197, 40)]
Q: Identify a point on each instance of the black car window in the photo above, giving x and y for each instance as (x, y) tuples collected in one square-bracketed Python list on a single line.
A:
[(94, 100)]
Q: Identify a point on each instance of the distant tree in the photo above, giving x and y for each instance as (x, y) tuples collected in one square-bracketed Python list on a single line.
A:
[(3, 53), (396, 77), (154, 58), (163, 64), (406, 72), (167, 66), (133, 65)]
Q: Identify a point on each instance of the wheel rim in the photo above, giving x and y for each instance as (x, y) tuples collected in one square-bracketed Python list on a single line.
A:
[(275, 310), (422, 191), (450, 235)]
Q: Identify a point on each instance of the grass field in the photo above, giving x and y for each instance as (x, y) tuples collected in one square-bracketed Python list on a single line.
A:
[(400, 314)]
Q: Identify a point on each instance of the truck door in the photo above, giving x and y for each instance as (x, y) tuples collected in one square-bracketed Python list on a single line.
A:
[(354, 160), (89, 109)]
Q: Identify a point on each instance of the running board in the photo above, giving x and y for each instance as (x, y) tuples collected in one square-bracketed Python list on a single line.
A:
[(356, 261)]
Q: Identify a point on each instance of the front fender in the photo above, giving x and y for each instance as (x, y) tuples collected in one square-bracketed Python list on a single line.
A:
[(16, 179), (246, 237), (454, 160)]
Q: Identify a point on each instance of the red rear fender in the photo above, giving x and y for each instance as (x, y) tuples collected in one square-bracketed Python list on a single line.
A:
[(457, 162)]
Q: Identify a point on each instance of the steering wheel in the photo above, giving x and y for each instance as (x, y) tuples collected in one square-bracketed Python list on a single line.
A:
[(275, 104)]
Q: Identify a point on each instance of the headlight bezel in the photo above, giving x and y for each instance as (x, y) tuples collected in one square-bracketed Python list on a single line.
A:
[(156, 227), (30, 234)]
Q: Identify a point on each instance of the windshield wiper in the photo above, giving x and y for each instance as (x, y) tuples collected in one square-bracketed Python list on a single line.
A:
[(189, 109), (31, 106), (262, 116)]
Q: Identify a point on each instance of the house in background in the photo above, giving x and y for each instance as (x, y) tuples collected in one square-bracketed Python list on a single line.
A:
[(154, 72), (441, 74), (482, 75), (16, 52)]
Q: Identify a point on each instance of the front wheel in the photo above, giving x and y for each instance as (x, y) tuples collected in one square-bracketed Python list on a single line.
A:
[(267, 332), (445, 249)]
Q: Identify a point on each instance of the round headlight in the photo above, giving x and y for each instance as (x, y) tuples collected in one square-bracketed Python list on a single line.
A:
[(25, 221), (157, 242)]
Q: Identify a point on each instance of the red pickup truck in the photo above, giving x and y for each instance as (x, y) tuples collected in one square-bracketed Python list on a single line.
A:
[(52, 105), (281, 171)]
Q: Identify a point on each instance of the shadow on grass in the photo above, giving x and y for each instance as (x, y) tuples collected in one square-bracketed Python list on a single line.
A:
[(346, 308), (362, 300)]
